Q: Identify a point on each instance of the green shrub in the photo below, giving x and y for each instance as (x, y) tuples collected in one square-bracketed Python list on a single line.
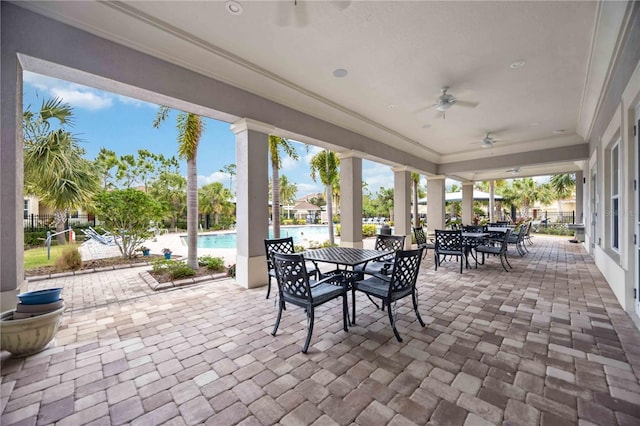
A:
[(69, 259), (368, 230), (336, 229), (35, 239), (174, 268), (215, 264), (554, 230), (301, 221), (298, 249), (288, 221)]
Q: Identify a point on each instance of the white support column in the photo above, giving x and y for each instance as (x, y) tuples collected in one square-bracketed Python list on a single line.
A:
[(467, 203), (402, 203), (580, 183), (252, 216), (492, 200), (435, 203), (11, 176), (351, 199)]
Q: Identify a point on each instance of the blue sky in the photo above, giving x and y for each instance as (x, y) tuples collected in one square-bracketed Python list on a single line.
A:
[(124, 125)]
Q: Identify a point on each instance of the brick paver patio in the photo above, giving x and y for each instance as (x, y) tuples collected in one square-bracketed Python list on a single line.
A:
[(544, 344)]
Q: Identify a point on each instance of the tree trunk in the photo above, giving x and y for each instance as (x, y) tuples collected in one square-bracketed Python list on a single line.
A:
[(192, 212), (492, 201), (275, 200), (330, 214), (60, 218), (416, 218)]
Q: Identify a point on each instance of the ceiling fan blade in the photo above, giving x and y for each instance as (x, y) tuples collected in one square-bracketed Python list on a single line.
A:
[(424, 109), (341, 4), (466, 104)]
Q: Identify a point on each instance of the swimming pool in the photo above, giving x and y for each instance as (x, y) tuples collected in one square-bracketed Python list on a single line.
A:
[(318, 233)]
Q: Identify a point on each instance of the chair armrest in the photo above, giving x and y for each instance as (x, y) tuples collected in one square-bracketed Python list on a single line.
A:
[(332, 279)]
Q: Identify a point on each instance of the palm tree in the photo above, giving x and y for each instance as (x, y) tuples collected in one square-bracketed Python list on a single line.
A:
[(563, 186), (229, 169), (190, 128), (275, 144), (415, 180), (55, 169), (325, 165), (214, 199), (288, 191), (522, 193)]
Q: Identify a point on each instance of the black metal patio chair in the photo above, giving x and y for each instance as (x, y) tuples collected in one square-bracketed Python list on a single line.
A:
[(295, 287), (498, 250), (517, 239), (422, 242), (383, 265), (282, 245), (449, 243), (401, 283)]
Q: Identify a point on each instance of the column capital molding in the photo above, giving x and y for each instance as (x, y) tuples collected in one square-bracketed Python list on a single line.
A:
[(400, 169), (350, 154), (468, 183), (436, 177), (245, 124)]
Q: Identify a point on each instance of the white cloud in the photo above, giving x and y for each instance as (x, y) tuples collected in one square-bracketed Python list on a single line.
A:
[(308, 188), (213, 177), (377, 175), (289, 163), (313, 150), (79, 98)]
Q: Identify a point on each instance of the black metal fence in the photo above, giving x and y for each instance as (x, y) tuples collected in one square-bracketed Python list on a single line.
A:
[(550, 218), (44, 222)]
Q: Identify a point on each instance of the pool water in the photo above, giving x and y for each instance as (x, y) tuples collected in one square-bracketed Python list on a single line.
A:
[(300, 235)]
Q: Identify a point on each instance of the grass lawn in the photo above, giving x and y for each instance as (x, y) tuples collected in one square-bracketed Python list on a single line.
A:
[(37, 257)]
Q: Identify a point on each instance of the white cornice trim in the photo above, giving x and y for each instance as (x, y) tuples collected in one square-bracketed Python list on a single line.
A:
[(612, 19), (246, 124)]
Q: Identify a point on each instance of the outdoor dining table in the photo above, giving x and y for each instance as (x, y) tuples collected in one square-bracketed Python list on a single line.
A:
[(345, 259), (471, 240)]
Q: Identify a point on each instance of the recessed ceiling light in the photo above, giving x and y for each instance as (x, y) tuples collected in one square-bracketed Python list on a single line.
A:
[(559, 131), (233, 7), (393, 106), (517, 64), (534, 124), (426, 126), (340, 72)]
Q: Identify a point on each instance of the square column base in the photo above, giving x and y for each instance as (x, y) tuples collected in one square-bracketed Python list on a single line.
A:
[(9, 299), (251, 272), (351, 244)]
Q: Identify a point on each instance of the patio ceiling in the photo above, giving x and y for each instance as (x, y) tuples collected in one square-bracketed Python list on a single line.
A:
[(398, 56)]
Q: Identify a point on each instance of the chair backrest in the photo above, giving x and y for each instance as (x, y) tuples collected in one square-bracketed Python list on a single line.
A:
[(292, 276), (389, 243), (405, 270), (449, 240), (421, 238), (278, 245), (504, 244), (474, 228)]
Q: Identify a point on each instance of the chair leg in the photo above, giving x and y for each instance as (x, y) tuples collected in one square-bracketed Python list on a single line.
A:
[(414, 295), (353, 304), (345, 311), (502, 259), (269, 287), (393, 323), (308, 340), (275, 327), (507, 260)]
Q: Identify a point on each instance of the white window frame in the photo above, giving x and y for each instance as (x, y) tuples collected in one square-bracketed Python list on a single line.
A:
[(25, 207), (615, 196)]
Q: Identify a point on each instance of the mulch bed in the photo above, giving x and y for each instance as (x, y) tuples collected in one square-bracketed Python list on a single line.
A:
[(115, 261)]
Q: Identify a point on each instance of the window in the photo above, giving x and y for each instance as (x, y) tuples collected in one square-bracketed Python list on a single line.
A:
[(615, 197), (26, 209)]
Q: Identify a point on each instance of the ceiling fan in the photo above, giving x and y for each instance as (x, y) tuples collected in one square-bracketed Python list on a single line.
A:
[(488, 141), (446, 100)]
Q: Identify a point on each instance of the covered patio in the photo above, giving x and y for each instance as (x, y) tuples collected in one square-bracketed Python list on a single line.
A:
[(552, 342), (545, 344)]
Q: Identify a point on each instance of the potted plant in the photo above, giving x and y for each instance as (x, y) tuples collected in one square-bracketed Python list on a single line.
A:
[(145, 250), (167, 253)]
